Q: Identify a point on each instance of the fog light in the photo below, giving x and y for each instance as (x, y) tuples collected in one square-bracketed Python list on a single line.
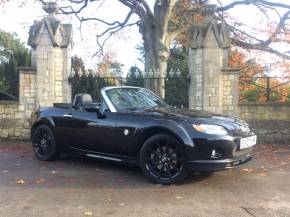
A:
[(215, 154)]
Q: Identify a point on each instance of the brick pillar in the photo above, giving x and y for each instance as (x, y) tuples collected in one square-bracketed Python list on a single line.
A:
[(214, 86), (51, 43)]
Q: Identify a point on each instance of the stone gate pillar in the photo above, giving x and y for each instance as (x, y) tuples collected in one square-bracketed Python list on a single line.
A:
[(214, 86), (51, 43)]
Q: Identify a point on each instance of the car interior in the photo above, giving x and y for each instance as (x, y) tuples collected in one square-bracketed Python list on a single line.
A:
[(81, 100)]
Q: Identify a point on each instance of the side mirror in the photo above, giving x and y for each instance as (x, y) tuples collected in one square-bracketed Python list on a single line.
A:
[(95, 107)]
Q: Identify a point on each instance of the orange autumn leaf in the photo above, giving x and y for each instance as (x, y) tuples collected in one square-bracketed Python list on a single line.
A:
[(263, 174), (88, 213), (20, 182), (39, 181)]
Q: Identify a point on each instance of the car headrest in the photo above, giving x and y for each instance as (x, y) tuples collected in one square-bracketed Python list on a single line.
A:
[(86, 99), (81, 100)]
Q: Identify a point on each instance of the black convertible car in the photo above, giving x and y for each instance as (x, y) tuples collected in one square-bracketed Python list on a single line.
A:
[(132, 124)]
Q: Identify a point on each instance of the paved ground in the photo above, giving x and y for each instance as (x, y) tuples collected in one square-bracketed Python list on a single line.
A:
[(82, 187)]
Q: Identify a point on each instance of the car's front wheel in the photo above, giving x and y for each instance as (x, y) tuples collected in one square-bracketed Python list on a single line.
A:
[(161, 159), (44, 144)]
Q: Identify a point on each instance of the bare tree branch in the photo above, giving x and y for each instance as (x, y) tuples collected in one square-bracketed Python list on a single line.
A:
[(162, 14), (72, 10), (278, 28), (260, 47), (110, 32), (245, 40), (137, 6), (248, 2)]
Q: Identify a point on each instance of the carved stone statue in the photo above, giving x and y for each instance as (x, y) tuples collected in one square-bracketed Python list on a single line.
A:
[(60, 34), (50, 7)]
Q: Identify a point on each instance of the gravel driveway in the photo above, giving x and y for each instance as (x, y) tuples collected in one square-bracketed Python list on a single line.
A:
[(75, 186)]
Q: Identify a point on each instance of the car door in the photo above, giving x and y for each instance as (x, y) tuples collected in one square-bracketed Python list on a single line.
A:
[(91, 133), (63, 125), (127, 125)]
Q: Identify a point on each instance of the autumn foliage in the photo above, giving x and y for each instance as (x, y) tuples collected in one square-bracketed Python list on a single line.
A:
[(254, 83)]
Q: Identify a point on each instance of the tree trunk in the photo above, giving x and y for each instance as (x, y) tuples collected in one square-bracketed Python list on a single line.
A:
[(157, 49)]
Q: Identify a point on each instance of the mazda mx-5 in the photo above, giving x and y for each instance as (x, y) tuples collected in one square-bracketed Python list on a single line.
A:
[(132, 124)]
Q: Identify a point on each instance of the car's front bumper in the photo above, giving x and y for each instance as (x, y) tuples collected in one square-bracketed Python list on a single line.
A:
[(216, 165), (200, 158)]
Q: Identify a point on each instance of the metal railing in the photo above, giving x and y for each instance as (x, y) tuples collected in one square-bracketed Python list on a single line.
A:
[(175, 85), (264, 89), (9, 89)]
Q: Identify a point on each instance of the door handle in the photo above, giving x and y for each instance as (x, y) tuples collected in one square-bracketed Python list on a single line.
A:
[(67, 115), (92, 124)]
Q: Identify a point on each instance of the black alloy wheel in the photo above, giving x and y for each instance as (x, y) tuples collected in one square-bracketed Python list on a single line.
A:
[(161, 159), (44, 145)]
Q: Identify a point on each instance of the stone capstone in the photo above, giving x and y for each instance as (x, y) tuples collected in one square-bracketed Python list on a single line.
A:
[(60, 34)]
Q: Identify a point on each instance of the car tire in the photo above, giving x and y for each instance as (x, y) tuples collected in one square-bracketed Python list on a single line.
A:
[(44, 144), (161, 159)]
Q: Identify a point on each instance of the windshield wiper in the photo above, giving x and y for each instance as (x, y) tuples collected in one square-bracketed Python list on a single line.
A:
[(153, 108)]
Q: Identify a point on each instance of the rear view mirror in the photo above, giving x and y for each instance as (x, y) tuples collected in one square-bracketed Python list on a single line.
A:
[(95, 107)]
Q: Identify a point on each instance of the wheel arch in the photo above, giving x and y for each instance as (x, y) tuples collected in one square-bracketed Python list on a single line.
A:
[(169, 128), (42, 121)]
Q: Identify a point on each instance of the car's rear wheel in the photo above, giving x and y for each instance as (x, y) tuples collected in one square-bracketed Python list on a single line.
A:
[(44, 144), (161, 159)]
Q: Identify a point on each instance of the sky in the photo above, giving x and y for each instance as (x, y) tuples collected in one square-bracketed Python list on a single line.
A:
[(18, 19)]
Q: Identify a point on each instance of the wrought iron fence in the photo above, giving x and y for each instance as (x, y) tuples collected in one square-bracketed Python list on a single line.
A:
[(264, 89), (176, 86), (9, 89)]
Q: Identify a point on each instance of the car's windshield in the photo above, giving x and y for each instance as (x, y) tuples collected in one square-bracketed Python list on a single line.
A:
[(130, 99)]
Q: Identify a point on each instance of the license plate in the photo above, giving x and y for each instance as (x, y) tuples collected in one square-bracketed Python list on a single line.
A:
[(248, 142)]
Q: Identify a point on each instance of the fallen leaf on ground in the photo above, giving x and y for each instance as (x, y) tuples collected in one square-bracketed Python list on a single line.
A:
[(263, 174), (88, 213), (20, 181), (39, 181), (247, 170)]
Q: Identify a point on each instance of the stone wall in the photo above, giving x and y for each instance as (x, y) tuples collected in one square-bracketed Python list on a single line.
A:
[(270, 121), (12, 123), (269, 111), (15, 115)]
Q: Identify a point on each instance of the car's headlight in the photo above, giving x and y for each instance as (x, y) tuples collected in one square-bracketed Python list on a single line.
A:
[(210, 129)]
